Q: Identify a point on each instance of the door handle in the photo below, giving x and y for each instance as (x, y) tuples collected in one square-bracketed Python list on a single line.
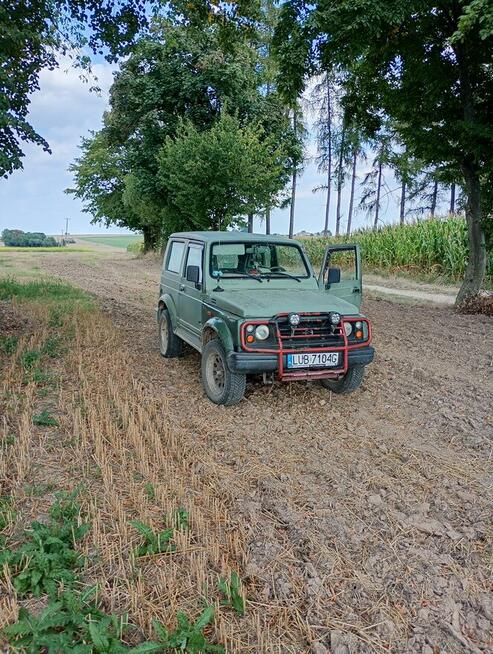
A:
[(182, 287), (356, 290)]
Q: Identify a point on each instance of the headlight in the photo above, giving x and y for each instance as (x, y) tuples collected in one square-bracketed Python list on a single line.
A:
[(294, 319), (335, 318), (348, 328), (262, 332)]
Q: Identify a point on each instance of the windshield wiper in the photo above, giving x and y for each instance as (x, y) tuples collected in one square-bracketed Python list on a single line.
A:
[(286, 274)]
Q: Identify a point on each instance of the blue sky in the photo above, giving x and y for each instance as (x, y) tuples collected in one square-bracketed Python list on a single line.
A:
[(64, 109)]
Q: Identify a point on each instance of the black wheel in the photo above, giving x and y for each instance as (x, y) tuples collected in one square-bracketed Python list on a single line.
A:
[(220, 384), (170, 345), (347, 384)]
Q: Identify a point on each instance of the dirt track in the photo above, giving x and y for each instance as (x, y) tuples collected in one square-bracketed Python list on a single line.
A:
[(375, 509)]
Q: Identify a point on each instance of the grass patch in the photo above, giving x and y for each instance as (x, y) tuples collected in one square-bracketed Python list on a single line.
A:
[(5, 249), (114, 240), (44, 419), (49, 290)]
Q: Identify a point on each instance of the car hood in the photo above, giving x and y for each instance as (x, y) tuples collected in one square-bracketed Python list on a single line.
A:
[(265, 303)]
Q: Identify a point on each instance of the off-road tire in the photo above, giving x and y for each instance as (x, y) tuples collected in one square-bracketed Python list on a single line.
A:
[(170, 345), (220, 384), (347, 384)]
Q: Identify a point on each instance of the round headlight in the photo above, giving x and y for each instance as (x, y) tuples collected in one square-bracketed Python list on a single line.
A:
[(262, 332), (359, 325), (348, 328), (250, 328), (294, 319), (335, 318)]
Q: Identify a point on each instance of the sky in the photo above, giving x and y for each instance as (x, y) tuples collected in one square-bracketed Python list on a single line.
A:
[(64, 110)]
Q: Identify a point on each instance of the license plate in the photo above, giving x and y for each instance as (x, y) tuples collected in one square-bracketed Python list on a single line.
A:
[(313, 360)]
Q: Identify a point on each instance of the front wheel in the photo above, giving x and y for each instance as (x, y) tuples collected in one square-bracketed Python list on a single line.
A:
[(347, 384), (220, 384)]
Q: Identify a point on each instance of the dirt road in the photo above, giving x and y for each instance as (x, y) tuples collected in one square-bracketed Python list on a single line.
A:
[(373, 512)]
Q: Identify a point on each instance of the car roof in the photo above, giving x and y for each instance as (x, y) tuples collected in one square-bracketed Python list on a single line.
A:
[(210, 237)]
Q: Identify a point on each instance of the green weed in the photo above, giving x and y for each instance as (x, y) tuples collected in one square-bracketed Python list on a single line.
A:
[(30, 358), (70, 623), (231, 591), (8, 344), (47, 558), (180, 519), (7, 513), (154, 542), (53, 347), (187, 637), (150, 491), (44, 419), (40, 377)]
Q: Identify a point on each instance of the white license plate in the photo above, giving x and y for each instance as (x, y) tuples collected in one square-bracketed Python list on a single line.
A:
[(313, 360)]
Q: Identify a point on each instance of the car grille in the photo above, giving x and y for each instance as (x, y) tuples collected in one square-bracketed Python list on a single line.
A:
[(313, 331)]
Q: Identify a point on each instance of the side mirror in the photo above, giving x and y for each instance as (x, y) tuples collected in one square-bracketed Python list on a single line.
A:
[(334, 276), (193, 274)]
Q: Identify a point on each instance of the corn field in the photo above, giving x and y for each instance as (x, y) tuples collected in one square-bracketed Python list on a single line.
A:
[(429, 247)]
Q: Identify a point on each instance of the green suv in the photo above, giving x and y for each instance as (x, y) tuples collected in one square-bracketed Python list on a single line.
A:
[(251, 304)]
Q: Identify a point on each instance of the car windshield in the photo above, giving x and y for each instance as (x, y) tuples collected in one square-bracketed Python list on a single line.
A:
[(262, 260)]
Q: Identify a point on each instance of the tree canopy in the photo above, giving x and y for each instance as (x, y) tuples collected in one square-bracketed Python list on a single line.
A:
[(426, 67), (180, 72)]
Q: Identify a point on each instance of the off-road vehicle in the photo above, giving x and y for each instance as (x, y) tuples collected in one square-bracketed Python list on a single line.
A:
[(251, 304)]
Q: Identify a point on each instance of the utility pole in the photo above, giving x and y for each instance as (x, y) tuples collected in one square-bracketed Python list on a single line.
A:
[(66, 226)]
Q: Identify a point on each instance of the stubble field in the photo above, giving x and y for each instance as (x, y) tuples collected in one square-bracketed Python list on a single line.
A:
[(356, 524)]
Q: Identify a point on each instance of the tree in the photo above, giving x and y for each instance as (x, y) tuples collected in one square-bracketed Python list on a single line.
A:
[(33, 33), (180, 72), (214, 178), (425, 66), (323, 103)]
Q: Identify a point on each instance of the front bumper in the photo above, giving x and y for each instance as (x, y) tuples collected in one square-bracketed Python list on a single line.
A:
[(255, 363)]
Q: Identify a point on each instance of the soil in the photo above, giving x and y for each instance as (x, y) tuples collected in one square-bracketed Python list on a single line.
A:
[(373, 512)]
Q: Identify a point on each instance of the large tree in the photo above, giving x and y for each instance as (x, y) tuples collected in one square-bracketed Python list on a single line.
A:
[(214, 178), (180, 71), (428, 67)]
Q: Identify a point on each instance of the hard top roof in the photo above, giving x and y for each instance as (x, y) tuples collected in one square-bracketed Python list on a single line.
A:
[(209, 237)]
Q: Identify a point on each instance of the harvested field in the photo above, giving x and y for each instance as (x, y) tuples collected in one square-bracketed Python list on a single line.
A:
[(356, 524)]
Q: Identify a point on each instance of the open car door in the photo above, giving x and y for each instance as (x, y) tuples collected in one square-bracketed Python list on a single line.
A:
[(340, 273)]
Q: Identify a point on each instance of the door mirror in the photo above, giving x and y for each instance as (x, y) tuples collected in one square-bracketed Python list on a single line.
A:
[(333, 276), (193, 274)]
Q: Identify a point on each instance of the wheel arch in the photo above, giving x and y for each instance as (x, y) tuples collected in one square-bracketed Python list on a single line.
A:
[(166, 302), (217, 328)]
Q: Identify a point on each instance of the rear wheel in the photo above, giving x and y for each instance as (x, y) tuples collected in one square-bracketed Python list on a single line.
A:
[(347, 384), (170, 345), (220, 384)]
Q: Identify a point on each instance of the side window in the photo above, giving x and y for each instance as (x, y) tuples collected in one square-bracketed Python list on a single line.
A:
[(175, 256), (346, 261), (194, 258)]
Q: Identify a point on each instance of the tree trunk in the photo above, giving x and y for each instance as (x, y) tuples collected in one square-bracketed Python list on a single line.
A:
[(250, 223), (434, 199), (339, 181), (402, 215), (267, 220), (149, 239), (452, 199), (476, 262), (293, 183), (329, 162), (351, 197), (379, 188)]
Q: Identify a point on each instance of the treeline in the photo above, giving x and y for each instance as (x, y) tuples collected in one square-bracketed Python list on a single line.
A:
[(391, 173), (206, 128), (18, 238)]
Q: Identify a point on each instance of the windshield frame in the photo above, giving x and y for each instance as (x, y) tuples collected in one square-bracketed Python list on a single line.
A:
[(304, 258)]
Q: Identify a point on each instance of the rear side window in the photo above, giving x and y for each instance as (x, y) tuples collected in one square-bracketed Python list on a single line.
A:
[(175, 256)]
